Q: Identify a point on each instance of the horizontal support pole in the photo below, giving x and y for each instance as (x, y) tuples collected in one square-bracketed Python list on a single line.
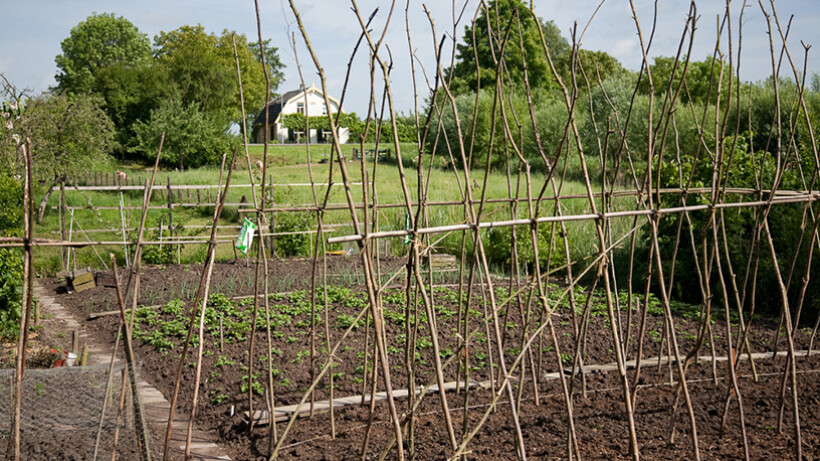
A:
[(568, 218), (17, 242), (629, 193), (195, 186), (187, 226)]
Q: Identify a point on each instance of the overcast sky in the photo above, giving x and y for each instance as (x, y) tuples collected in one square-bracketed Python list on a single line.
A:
[(31, 33)]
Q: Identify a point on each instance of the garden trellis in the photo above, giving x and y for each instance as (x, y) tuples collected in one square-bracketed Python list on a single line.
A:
[(681, 206)]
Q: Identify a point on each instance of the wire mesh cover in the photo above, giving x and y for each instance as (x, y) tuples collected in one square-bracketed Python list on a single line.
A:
[(60, 414)]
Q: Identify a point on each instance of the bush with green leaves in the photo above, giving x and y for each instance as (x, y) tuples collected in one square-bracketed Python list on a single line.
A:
[(164, 254), (159, 254), (296, 244), (498, 243), (192, 139), (405, 128), (11, 259), (747, 170), (69, 135)]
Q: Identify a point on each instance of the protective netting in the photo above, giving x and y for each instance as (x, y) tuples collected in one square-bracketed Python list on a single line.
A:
[(62, 413)]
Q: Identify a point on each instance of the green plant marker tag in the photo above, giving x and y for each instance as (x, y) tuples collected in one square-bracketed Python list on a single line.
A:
[(245, 238)]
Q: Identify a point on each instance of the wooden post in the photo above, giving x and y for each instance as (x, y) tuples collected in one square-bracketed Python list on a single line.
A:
[(170, 208), (271, 225), (198, 197), (63, 250), (83, 359), (124, 235), (68, 250)]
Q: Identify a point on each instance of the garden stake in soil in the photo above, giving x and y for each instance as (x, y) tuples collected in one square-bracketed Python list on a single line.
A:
[(211, 248), (141, 426), (108, 385), (28, 277), (201, 342)]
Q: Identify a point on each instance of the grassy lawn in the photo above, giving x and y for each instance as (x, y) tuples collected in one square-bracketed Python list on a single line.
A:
[(296, 154), (287, 170)]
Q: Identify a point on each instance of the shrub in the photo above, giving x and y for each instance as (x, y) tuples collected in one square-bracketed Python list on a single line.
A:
[(499, 246), (192, 139), (156, 254), (784, 222), (11, 259), (292, 244), (67, 133), (164, 254)]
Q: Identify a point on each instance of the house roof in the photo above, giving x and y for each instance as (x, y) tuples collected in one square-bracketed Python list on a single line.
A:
[(274, 107)]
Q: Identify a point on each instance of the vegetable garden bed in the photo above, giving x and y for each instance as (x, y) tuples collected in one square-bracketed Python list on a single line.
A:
[(299, 347)]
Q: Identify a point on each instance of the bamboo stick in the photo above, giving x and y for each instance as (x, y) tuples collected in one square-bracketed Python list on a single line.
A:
[(141, 424)]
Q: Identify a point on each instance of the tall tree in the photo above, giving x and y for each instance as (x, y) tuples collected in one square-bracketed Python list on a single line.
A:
[(102, 40), (130, 93), (69, 134), (589, 65), (483, 41), (272, 60), (192, 139), (201, 75), (203, 68)]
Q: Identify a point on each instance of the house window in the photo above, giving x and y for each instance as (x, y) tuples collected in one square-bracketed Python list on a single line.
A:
[(300, 107), (324, 109)]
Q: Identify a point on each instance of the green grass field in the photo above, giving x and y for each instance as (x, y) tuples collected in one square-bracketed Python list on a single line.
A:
[(290, 173)]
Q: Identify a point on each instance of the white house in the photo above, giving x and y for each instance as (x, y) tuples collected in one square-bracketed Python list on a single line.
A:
[(308, 101)]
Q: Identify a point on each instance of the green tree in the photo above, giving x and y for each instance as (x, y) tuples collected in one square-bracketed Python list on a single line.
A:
[(475, 56), (68, 134), (589, 66), (702, 79), (272, 61), (476, 130), (203, 69), (102, 40), (192, 139), (202, 77), (130, 93)]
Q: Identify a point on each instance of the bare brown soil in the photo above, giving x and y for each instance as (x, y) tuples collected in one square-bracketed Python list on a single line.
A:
[(600, 417)]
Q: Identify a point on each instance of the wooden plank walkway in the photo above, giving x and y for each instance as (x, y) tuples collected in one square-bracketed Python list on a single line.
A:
[(284, 413)]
